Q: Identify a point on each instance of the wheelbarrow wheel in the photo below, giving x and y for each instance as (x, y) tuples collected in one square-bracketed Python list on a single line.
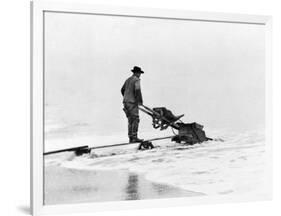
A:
[(145, 145)]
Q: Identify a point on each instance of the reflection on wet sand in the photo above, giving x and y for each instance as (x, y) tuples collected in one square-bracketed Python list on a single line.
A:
[(139, 188), (132, 190), (63, 186)]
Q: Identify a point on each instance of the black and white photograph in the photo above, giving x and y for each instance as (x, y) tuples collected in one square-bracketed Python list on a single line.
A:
[(141, 108)]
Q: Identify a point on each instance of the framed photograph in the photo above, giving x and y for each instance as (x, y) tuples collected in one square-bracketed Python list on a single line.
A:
[(139, 107)]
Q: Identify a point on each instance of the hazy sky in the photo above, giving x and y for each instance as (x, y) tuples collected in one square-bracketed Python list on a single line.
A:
[(214, 73)]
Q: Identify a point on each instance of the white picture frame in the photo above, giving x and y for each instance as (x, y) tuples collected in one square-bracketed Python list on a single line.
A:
[(38, 8)]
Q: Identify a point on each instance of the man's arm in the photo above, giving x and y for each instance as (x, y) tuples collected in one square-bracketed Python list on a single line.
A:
[(123, 89), (138, 94)]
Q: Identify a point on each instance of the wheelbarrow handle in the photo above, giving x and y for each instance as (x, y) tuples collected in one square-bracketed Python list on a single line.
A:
[(153, 114)]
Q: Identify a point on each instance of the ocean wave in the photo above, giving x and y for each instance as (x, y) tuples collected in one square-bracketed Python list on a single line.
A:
[(236, 165)]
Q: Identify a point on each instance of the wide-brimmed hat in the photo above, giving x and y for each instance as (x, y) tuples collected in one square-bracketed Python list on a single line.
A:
[(137, 69)]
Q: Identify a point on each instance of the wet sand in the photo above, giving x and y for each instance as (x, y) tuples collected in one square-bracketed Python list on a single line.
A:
[(67, 186)]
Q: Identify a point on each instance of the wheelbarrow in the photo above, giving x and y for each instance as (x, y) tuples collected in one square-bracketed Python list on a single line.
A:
[(162, 118)]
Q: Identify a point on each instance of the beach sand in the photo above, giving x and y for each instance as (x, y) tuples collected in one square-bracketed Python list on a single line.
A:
[(68, 186)]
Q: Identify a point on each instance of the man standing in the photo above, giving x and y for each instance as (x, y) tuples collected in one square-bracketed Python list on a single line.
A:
[(132, 97)]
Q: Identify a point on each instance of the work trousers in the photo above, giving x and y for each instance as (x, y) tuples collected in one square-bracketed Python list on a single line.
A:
[(132, 112)]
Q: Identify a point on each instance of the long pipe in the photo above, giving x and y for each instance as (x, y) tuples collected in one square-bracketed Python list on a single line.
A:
[(122, 144), (65, 150)]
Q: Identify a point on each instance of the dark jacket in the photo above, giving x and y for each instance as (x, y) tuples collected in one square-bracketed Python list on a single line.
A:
[(131, 90)]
